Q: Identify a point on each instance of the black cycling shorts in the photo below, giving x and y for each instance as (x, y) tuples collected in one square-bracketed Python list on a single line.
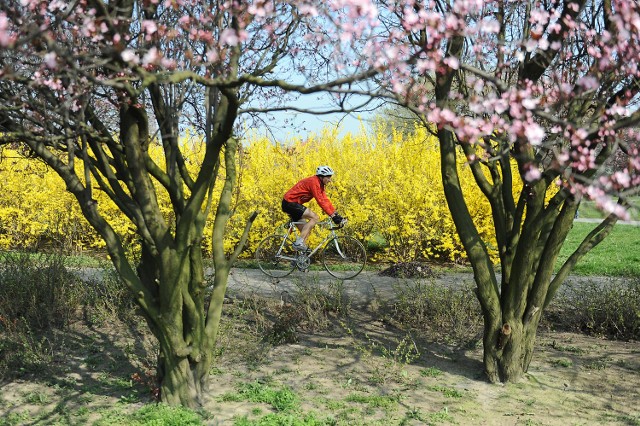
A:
[(294, 210)]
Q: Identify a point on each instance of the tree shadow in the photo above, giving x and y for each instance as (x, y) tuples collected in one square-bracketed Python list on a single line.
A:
[(82, 366)]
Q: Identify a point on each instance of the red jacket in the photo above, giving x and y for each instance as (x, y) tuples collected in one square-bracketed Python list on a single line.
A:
[(308, 188)]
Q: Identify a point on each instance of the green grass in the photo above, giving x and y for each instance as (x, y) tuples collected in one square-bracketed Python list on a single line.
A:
[(152, 415), (282, 399), (280, 419), (616, 255)]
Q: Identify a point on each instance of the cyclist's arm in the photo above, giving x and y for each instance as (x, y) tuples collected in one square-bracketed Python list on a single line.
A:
[(323, 200)]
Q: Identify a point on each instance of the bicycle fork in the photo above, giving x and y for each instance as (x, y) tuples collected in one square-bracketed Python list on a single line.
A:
[(342, 255)]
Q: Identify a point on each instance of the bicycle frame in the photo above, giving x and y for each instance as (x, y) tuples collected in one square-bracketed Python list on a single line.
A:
[(293, 229), (342, 256)]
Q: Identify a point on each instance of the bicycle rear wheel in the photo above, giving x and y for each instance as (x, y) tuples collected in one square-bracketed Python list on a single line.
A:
[(343, 257), (275, 256)]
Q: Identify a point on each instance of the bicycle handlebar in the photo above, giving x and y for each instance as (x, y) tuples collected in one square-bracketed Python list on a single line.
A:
[(332, 226), (328, 223)]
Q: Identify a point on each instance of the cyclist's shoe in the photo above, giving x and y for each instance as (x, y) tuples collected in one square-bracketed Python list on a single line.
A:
[(300, 246)]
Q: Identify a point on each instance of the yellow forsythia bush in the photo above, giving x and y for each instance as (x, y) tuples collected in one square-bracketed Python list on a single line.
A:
[(34, 207), (388, 186)]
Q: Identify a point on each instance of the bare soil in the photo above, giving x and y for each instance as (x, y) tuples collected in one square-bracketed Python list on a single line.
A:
[(573, 380), (358, 371)]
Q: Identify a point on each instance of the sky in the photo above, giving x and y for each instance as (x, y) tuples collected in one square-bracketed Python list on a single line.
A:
[(289, 125), (284, 126)]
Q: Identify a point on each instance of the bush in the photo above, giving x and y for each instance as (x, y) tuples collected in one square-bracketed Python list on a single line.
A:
[(38, 290), (164, 415), (609, 309), (37, 293), (22, 351), (152, 415), (108, 299), (310, 309), (389, 186), (453, 314)]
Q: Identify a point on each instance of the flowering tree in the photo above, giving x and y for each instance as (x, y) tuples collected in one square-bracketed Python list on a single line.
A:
[(550, 86), (88, 86)]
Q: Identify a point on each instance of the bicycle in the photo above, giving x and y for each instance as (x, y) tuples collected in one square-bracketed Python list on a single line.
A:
[(342, 256)]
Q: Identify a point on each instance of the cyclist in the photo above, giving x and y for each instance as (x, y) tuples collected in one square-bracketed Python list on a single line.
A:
[(302, 192)]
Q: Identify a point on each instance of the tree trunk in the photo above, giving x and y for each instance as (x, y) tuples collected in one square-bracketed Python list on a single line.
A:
[(185, 348), (180, 381), (508, 351)]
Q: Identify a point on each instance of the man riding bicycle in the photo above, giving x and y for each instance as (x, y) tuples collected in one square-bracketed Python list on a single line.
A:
[(302, 192)]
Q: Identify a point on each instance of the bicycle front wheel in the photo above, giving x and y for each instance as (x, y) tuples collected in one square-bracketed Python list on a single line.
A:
[(275, 256), (343, 257)]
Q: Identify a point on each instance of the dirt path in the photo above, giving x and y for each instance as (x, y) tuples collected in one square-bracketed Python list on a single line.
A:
[(366, 288)]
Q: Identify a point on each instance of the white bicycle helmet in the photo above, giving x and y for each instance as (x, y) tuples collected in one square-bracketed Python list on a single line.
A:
[(324, 171)]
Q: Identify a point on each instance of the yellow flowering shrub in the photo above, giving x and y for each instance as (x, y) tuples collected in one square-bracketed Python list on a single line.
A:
[(34, 207), (388, 186)]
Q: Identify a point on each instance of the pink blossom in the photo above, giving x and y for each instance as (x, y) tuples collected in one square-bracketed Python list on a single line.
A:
[(535, 133), (489, 25), (515, 109), (619, 110), (53, 83), (622, 178), (75, 105), (151, 57), (308, 9), (261, 8), (532, 173), (530, 103), (212, 55), (233, 38), (229, 37), (425, 65), (539, 16), (6, 38), (448, 115), (452, 62), (57, 5), (50, 60), (530, 45), (357, 8), (543, 44), (588, 82), (149, 26), (562, 157), (410, 18), (501, 106), (129, 55)]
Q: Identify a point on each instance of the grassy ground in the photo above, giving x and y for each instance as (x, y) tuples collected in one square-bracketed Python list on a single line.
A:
[(617, 255)]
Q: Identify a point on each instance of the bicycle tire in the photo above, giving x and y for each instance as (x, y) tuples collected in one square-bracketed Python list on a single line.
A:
[(343, 257), (269, 260)]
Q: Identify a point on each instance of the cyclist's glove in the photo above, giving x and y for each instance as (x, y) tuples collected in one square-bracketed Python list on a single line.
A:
[(337, 219)]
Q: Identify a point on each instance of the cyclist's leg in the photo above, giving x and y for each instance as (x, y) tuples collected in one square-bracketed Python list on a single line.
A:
[(312, 219), (296, 212)]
